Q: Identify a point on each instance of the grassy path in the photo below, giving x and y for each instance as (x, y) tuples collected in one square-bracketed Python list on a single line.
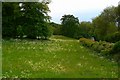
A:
[(60, 57)]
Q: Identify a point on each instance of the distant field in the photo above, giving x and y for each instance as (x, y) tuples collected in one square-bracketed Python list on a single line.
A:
[(59, 57)]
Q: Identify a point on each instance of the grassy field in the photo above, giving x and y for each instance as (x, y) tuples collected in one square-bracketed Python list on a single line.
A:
[(60, 57)]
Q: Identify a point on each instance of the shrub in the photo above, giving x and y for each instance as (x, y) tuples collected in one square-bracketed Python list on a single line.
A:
[(107, 49), (105, 52), (102, 47), (116, 48), (86, 42), (95, 46), (113, 37), (115, 51)]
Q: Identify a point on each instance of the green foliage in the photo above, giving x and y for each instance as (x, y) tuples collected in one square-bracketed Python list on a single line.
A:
[(86, 29), (101, 47), (86, 42), (47, 31), (116, 48), (95, 47), (104, 24), (20, 32), (35, 15), (70, 26), (109, 50), (113, 37), (26, 18), (100, 28), (115, 52), (105, 48), (56, 28), (10, 12)]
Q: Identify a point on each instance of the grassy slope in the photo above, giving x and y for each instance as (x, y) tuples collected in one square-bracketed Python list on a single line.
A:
[(59, 57)]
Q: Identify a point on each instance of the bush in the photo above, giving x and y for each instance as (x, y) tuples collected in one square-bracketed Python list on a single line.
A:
[(105, 52), (109, 50), (116, 48), (115, 52), (113, 37), (101, 47), (95, 46), (86, 42)]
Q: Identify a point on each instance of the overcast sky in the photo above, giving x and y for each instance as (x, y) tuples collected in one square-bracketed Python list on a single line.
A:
[(85, 10)]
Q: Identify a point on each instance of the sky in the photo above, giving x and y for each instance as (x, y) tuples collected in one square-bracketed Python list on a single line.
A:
[(85, 10)]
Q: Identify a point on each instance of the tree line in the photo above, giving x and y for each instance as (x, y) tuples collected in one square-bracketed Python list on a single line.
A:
[(104, 27), (31, 20)]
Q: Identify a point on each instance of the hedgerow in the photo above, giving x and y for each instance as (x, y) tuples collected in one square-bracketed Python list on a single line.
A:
[(102, 47), (86, 42)]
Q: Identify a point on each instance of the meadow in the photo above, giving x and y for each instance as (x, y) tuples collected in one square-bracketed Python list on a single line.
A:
[(59, 57)]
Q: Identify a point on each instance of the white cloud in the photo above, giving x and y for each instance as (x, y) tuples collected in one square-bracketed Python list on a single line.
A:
[(60, 7)]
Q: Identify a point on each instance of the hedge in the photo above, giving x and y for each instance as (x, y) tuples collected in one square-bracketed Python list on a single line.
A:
[(102, 47)]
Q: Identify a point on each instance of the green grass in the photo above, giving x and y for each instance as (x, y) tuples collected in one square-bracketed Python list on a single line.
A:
[(60, 57)]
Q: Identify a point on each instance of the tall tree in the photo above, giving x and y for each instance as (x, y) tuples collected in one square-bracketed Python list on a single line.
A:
[(104, 24), (26, 18), (70, 25), (56, 28), (10, 11), (35, 17), (86, 29)]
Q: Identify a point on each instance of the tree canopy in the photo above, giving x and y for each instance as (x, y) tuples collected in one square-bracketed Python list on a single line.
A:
[(105, 23), (26, 18), (31, 19), (70, 25)]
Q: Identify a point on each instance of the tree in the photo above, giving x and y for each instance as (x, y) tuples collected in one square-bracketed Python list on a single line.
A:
[(100, 28), (70, 25), (35, 17), (26, 18), (104, 24), (10, 11), (56, 28), (109, 14), (86, 29)]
